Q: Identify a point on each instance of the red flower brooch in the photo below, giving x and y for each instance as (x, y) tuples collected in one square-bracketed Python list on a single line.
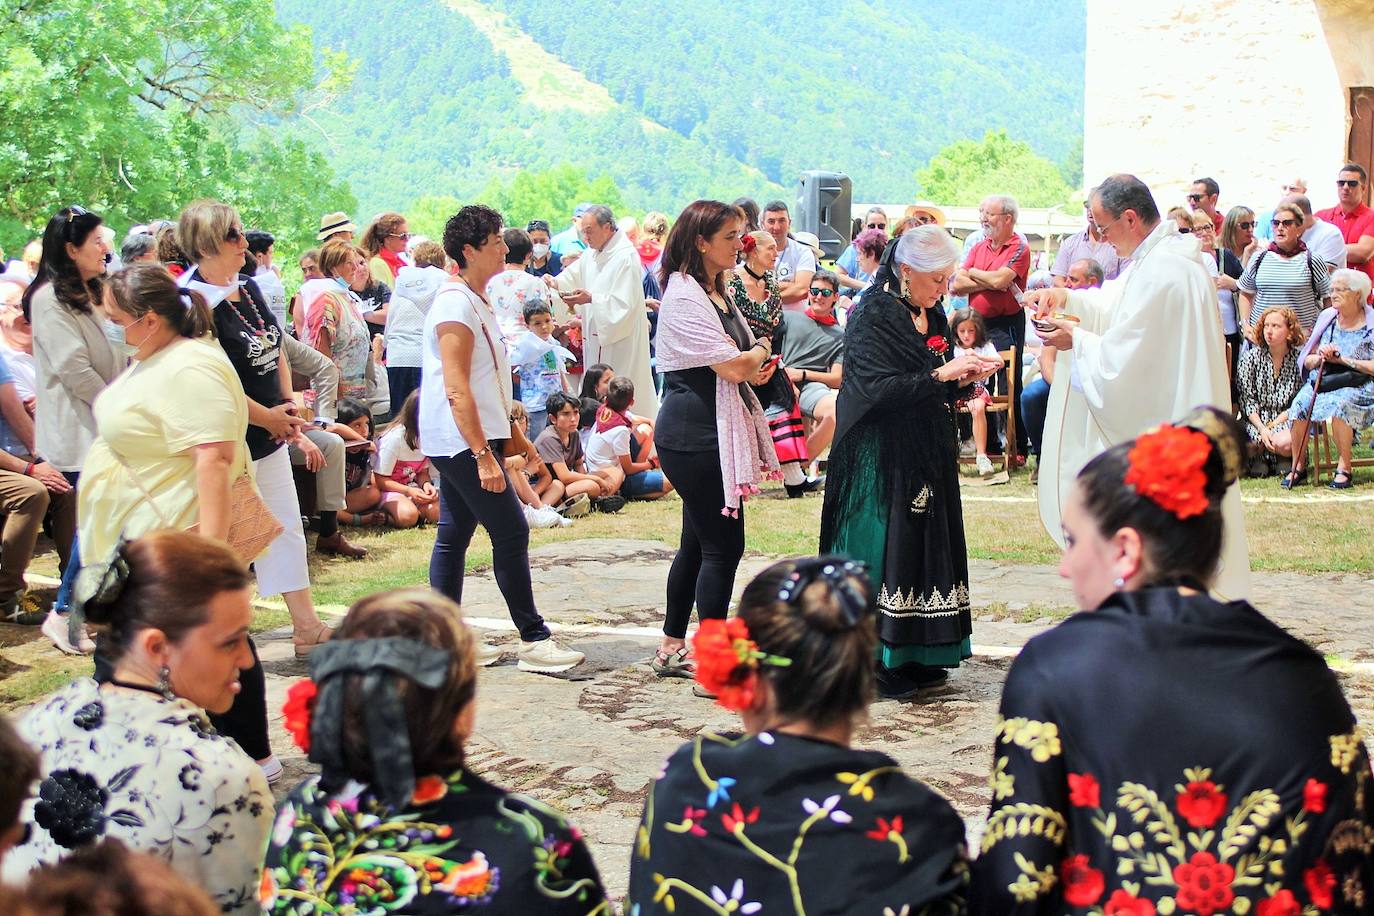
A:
[(728, 660), (937, 343), (298, 710), (748, 243), (1166, 468)]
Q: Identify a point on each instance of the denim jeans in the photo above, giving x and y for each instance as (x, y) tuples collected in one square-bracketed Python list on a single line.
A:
[(1035, 401), (62, 604)]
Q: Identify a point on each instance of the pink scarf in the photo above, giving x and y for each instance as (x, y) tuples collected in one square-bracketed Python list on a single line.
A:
[(690, 336)]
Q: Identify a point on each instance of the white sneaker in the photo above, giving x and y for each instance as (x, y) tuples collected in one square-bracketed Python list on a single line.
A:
[(547, 657), (543, 517), (984, 465), (487, 655), (56, 628), (272, 769)]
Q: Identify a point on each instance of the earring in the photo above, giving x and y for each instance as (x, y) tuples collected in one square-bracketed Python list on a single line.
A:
[(164, 683), (1119, 583)]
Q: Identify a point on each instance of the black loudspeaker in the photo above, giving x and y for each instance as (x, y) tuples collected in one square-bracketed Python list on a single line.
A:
[(824, 200)]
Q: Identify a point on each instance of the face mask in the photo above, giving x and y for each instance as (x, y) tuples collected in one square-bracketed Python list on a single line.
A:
[(114, 333), (541, 251)]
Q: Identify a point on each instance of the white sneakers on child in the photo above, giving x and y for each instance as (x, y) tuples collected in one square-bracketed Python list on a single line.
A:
[(547, 657), (545, 517)]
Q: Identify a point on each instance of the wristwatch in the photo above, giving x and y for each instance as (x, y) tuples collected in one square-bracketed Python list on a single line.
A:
[(481, 453)]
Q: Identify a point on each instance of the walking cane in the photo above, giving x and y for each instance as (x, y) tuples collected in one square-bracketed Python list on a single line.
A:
[(1300, 457)]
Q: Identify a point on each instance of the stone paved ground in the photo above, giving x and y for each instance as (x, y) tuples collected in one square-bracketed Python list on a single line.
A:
[(590, 743)]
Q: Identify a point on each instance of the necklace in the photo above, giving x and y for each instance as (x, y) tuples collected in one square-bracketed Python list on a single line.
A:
[(146, 688), (758, 277), (255, 324)]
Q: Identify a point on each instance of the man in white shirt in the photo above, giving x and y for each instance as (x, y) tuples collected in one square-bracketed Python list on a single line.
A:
[(796, 262), (1324, 240), (262, 245)]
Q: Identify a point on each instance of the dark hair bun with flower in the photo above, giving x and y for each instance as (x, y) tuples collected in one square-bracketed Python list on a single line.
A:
[(1168, 484)]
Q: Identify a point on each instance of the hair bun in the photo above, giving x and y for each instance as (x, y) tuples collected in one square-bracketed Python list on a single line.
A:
[(1228, 441)]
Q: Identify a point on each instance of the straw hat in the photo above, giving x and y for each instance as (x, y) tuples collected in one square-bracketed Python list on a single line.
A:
[(927, 208), (810, 240), (331, 223)]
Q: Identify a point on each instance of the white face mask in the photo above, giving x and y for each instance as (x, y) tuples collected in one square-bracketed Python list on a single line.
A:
[(114, 333), (541, 251)]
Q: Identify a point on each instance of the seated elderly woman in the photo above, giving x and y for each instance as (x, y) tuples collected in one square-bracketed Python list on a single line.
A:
[(135, 758), (1343, 338), (788, 816), (1267, 378), (1259, 800), (396, 822)]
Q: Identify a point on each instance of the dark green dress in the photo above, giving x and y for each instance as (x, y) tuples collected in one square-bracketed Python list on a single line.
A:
[(892, 485)]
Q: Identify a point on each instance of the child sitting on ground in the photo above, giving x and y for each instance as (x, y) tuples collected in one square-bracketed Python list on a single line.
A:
[(403, 471), (363, 499), (538, 360), (615, 448), (972, 337), (561, 448), (533, 482)]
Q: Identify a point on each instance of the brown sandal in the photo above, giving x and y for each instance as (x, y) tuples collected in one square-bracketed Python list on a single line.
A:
[(304, 645)]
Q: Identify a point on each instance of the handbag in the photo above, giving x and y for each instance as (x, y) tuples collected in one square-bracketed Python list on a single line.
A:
[(252, 526), (517, 443), (1342, 378)]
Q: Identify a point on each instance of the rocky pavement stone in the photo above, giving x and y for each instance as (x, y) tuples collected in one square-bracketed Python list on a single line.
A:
[(590, 742)]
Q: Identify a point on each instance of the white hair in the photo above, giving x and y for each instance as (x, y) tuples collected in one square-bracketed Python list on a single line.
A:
[(1008, 204), (1355, 280), (927, 249)]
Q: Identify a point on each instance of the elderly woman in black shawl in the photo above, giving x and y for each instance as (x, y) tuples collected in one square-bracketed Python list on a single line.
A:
[(892, 495)]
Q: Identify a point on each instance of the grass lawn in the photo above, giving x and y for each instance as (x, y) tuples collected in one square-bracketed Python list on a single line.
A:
[(1322, 535)]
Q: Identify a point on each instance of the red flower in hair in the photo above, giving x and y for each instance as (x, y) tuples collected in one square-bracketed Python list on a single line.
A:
[(748, 243), (728, 660), (298, 710), (1201, 804), (937, 343), (1166, 468)]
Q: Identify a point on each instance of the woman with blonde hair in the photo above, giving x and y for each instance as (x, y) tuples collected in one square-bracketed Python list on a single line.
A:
[(384, 241), (387, 713)]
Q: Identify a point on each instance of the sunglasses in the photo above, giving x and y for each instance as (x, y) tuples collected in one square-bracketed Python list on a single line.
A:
[(234, 234), (1185, 230), (1286, 223), (1347, 182), (75, 213), (823, 293), (1195, 197), (1246, 226), (877, 225), (400, 235)]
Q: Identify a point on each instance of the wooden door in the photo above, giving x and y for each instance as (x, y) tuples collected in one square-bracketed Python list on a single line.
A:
[(1360, 148)]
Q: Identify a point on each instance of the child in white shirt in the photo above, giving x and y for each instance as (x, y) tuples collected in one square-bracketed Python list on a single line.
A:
[(972, 337), (403, 471)]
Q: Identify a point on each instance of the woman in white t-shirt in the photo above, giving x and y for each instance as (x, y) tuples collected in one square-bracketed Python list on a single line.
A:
[(465, 402)]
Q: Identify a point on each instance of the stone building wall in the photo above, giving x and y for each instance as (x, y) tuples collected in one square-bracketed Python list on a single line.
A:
[(1250, 92)]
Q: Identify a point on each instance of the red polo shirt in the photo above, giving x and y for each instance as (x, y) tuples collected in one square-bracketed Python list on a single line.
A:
[(1353, 225), (1015, 253)]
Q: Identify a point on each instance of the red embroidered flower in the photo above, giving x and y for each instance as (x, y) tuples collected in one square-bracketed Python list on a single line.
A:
[(937, 343), (1166, 468), (1281, 904), (748, 243), (1084, 792), (691, 819), (1314, 796), (737, 819), (297, 710), (1201, 804), (885, 828), (726, 658), (1083, 884), (1320, 881), (1204, 884), (428, 789), (1123, 903)]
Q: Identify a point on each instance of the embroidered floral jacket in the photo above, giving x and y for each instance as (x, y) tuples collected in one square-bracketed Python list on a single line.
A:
[(1173, 754)]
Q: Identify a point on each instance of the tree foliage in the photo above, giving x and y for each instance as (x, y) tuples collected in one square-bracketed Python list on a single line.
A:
[(132, 108), (967, 171)]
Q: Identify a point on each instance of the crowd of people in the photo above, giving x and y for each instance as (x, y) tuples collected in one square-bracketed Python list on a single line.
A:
[(515, 378)]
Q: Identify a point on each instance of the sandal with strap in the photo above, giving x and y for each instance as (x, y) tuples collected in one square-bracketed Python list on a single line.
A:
[(675, 664), (1293, 479), (305, 643), (1341, 480)]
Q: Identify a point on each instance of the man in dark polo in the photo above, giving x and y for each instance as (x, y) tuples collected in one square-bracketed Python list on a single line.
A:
[(994, 278)]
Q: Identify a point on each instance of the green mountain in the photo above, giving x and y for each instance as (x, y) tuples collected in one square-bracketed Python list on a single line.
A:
[(675, 101)]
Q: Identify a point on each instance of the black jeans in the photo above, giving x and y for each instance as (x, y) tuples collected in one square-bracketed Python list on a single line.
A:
[(1008, 332), (703, 572), (462, 505), (401, 381), (246, 720)]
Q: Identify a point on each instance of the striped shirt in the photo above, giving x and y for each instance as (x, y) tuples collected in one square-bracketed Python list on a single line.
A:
[(1299, 283)]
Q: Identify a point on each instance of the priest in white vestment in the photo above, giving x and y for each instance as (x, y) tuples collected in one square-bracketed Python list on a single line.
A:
[(1147, 348), (606, 286)]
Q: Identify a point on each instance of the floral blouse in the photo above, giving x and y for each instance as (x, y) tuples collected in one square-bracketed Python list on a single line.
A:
[(153, 774), (783, 824), (349, 340), (1171, 754), (1262, 391), (462, 845)]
